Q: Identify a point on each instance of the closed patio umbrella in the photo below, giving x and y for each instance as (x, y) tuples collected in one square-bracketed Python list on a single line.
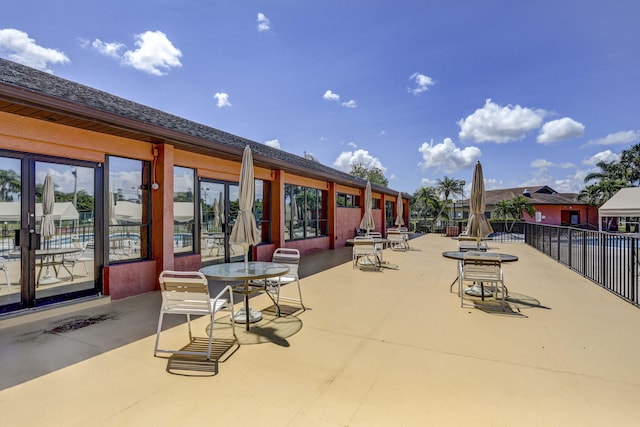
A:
[(217, 223), (112, 209), (245, 231), (47, 226), (478, 224), (399, 211), (221, 209), (367, 220)]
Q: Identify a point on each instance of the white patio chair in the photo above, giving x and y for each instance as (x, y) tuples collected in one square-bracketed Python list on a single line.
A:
[(187, 293), (4, 267), (78, 257), (470, 243), (290, 257), (481, 268), (379, 246), (365, 248), (396, 240)]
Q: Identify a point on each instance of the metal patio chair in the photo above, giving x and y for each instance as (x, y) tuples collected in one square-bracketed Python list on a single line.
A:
[(187, 293)]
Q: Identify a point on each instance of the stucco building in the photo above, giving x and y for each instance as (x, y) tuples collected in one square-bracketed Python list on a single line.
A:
[(152, 191)]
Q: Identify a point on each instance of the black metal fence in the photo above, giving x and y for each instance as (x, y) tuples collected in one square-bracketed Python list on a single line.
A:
[(608, 259)]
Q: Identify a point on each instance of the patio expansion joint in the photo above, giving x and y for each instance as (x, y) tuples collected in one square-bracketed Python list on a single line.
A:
[(485, 359)]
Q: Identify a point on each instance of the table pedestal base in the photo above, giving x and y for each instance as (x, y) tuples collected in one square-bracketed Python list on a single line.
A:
[(240, 316)]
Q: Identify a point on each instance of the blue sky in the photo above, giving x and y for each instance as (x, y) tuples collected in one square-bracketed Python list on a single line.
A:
[(537, 91)]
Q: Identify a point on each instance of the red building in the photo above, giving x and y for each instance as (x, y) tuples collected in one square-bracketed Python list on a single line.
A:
[(551, 207)]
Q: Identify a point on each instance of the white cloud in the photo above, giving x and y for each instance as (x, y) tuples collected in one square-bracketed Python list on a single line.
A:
[(542, 163), (607, 156), (489, 184), (223, 99), (571, 183), (358, 157), (263, 22), (493, 123), (427, 182), (352, 145), (108, 49), (559, 130), (350, 104), (274, 143), (422, 83), (622, 137), (24, 50), (446, 157), (330, 96), (155, 54)]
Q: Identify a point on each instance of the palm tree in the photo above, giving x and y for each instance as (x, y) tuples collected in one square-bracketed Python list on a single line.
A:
[(424, 200), (520, 205), (502, 209), (630, 163), (9, 183), (449, 186), (513, 209)]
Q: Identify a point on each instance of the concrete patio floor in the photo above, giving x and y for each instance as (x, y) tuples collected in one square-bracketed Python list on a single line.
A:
[(390, 348)]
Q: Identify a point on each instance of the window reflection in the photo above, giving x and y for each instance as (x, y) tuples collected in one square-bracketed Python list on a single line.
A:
[(129, 209), (305, 212), (183, 209)]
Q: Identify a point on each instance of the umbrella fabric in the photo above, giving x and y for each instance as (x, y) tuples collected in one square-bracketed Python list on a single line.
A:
[(399, 211), (478, 224), (245, 230), (217, 223), (367, 220), (221, 210), (47, 226), (113, 220)]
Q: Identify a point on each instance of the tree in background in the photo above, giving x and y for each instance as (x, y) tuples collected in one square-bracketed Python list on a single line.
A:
[(513, 210), (612, 176), (375, 175), (425, 202), (449, 187), (9, 183)]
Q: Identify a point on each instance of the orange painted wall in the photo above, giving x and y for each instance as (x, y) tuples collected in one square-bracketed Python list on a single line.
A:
[(124, 280)]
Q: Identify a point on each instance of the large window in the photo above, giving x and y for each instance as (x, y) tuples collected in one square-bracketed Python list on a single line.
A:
[(129, 209), (347, 200), (183, 209), (305, 212)]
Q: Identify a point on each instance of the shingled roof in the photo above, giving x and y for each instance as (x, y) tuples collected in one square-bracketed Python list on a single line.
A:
[(538, 195), (30, 92)]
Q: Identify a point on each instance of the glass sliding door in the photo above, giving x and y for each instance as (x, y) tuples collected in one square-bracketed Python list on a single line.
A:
[(10, 221), (47, 240), (218, 212), (65, 221)]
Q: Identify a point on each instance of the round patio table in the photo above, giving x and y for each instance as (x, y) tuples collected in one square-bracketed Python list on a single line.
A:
[(246, 272), (475, 290)]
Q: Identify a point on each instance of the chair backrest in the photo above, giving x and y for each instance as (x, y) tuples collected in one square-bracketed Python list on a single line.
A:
[(76, 243), (289, 256), (394, 235), (363, 245), (375, 234), (185, 291), (481, 266)]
